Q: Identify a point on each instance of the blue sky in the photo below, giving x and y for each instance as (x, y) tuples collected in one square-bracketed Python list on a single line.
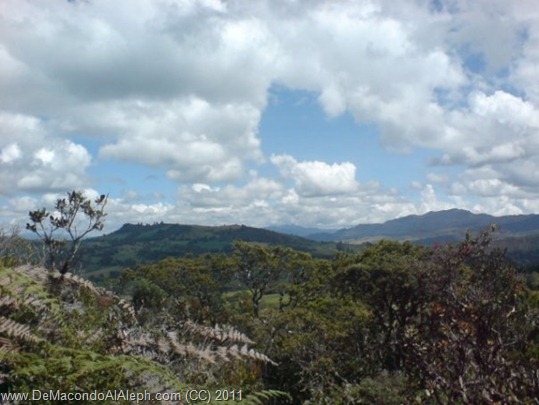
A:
[(295, 123), (311, 113)]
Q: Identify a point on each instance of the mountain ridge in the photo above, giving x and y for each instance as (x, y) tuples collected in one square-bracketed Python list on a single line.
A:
[(446, 223)]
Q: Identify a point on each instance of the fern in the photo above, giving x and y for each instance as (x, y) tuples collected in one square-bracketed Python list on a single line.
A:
[(17, 331), (63, 332), (221, 334), (21, 282)]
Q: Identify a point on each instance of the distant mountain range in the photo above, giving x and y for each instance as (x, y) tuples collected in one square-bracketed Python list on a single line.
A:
[(440, 226), (133, 244)]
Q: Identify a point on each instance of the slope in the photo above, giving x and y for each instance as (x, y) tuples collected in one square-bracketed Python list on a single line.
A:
[(133, 244)]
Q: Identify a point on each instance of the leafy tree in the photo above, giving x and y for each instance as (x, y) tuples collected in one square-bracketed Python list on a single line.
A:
[(260, 268), (188, 288), (317, 344), (66, 221), (389, 278), (473, 342), (145, 294), (455, 321)]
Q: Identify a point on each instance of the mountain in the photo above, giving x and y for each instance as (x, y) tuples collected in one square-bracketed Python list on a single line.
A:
[(433, 227), (133, 244), (137, 243)]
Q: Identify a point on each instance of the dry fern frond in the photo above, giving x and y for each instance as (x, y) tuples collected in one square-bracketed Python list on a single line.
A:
[(261, 357), (26, 282), (17, 330), (76, 281), (140, 344), (80, 282), (125, 306), (208, 354), (7, 345), (163, 345), (5, 279), (36, 273), (221, 334), (188, 349), (223, 352), (246, 352), (233, 351), (8, 302)]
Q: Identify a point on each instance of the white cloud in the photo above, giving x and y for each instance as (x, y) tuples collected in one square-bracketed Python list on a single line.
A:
[(182, 86), (314, 178), (32, 160), (437, 178), (506, 109), (490, 29), (526, 68), (361, 59), (151, 209), (193, 139), (10, 153), (232, 196)]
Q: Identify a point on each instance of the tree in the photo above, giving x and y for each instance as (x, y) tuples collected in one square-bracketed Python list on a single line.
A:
[(260, 268), (187, 288), (389, 277), (456, 322), (65, 220), (474, 342)]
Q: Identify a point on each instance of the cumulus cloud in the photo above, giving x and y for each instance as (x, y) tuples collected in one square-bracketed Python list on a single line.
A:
[(177, 86), (255, 190), (33, 160), (505, 108), (182, 86), (263, 201), (501, 149), (192, 139), (315, 178)]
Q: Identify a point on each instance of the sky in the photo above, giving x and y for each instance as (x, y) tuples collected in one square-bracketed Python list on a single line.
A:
[(315, 113)]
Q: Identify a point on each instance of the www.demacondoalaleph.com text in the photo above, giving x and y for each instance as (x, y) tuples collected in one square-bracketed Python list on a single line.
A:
[(110, 395)]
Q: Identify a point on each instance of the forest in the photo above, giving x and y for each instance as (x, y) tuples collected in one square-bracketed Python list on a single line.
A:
[(394, 323)]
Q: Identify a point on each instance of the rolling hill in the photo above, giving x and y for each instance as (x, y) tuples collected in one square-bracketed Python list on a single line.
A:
[(134, 244)]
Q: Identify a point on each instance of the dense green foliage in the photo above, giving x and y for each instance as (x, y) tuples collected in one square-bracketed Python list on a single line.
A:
[(396, 323), (393, 324)]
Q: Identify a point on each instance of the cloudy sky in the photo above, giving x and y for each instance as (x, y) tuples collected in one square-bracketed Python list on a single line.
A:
[(265, 112)]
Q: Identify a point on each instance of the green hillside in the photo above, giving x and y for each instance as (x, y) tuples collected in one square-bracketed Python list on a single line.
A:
[(133, 244)]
